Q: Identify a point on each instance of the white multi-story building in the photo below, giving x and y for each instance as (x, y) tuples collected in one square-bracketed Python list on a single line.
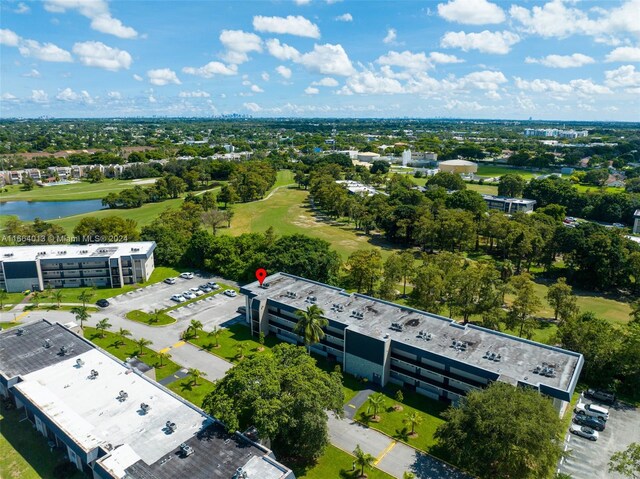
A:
[(636, 222)]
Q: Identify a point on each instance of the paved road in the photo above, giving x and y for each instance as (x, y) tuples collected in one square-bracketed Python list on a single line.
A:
[(356, 402)]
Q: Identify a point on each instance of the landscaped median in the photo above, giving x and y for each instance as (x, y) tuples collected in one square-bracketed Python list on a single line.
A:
[(157, 318), (336, 463)]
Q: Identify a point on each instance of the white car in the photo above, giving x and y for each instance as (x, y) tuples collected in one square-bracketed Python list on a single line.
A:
[(194, 289), (205, 289), (186, 275), (188, 295), (584, 431), (197, 292), (178, 298), (231, 293), (592, 410), (170, 281), (213, 285)]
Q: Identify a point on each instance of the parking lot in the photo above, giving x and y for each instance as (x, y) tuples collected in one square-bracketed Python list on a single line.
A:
[(589, 460)]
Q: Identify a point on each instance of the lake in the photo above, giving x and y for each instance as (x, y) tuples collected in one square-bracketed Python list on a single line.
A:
[(48, 210)]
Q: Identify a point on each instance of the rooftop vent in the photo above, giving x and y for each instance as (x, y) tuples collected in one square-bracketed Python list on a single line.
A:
[(20, 332), (79, 362), (357, 314), (291, 294), (135, 249), (63, 350), (397, 327), (338, 307), (122, 396), (186, 450), (8, 255), (240, 474), (424, 335), (265, 285), (144, 407), (311, 299), (491, 356), (94, 374), (459, 345), (46, 344), (171, 426)]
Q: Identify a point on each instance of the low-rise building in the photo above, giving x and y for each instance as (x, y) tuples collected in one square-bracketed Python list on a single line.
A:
[(65, 266), (367, 156), (357, 188), (509, 205), (458, 166), (391, 343), (113, 422)]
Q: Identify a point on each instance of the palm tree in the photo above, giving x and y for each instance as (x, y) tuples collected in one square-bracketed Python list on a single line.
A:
[(163, 355), (194, 325), (195, 374), (215, 334), (122, 334), (103, 325), (310, 324), (58, 296), (142, 343), (414, 419), (240, 347), (363, 460), (155, 316), (85, 296), (376, 401), (82, 315)]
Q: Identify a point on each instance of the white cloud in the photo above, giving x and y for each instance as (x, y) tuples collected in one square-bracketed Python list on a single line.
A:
[(437, 57), (32, 74), (9, 38), (284, 72), (626, 77), (9, 97), (292, 25), (68, 95), (256, 89), (485, 80), (368, 82), (345, 17), (95, 10), (406, 59), (47, 52), (326, 81), (253, 107), (311, 90), (151, 98), (282, 51), (97, 54), (137, 77), (463, 105), (562, 61), (580, 86), (163, 76), (39, 96), (265, 76), (624, 54), (238, 43), (485, 41), (114, 95), (22, 8), (194, 94), (302, 2), (391, 36), (211, 69), (328, 59), (471, 12), (493, 95)]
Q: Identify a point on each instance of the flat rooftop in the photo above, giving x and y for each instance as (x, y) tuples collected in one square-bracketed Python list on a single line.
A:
[(636, 214), (508, 199), (89, 410), (519, 356), (74, 251), (22, 349)]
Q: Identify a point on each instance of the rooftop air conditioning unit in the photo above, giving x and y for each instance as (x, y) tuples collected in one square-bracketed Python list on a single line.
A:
[(46, 344), (63, 350), (94, 374), (144, 407), (80, 362), (20, 332)]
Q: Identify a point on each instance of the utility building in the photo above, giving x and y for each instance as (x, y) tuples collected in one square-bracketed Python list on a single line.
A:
[(113, 422), (386, 342)]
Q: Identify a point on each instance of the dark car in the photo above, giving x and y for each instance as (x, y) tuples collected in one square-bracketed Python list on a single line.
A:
[(103, 303), (589, 421), (606, 397)]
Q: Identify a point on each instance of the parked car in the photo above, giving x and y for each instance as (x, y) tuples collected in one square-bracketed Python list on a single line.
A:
[(188, 295), (197, 292), (601, 395), (231, 293), (584, 431), (186, 275), (205, 288), (589, 421), (194, 289), (213, 285), (592, 410), (103, 303), (170, 281), (178, 298)]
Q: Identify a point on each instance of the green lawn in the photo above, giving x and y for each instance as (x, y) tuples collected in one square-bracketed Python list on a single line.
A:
[(141, 317), (130, 349), (192, 393), (492, 171), (483, 189), (228, 342), (24, 453), (337, 464), (11, 300), (391, 421), (7, 325), (76, 191), (284, 177)]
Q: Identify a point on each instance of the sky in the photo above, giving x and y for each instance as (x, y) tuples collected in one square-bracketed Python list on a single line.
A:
[(548, 60)]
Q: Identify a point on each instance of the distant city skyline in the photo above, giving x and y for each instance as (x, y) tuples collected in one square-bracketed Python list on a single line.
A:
[(550, 60)]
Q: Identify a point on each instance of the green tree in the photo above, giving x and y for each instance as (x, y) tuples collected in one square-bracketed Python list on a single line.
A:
[(525, 304), (240, 349), (310, 324), (428, 288), (194, 326), (103, 325), (448, 181), (503, 431), (596, 177), (3, 297), (209, 201), (376, 401), (215, 334), (363, 269), (284, 395), (162, 355), (408, 475), (214, 218), (175, 186), (413, 419), (627, 462), (228, 195), (635, 311), (195, 374), (560, 297), (121, 335), (58, 295), (142, 343), (399, 397), (85, 296), (363, 460), (82, 314), (511, 185), (94, 175), (154, 317)]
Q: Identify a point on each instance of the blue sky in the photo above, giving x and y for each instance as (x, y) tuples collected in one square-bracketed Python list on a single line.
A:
[(555, 60)]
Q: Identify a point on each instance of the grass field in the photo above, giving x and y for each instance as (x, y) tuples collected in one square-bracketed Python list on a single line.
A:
[(192, 393), (492, 171), (228, 342), (76, 191), (337, 464)]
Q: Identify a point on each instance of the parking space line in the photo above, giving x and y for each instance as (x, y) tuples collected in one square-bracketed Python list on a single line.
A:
[(164, 350), (178, 344), (385, 452)]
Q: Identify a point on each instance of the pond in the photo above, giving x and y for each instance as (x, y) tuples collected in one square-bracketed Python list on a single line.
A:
[(48, 210)]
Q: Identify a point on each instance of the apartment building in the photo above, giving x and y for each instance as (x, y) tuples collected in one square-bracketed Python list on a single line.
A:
[(389, 343), (509, 205), (68, 266)]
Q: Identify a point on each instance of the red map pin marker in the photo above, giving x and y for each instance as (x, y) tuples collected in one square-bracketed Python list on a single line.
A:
[(261, 274)]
